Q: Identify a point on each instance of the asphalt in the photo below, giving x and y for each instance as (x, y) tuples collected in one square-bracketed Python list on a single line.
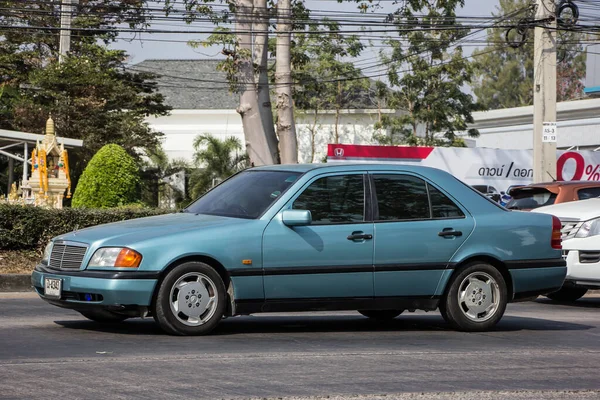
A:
[(540, 350)]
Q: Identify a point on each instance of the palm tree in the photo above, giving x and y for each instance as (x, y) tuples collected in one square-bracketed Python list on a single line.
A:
[(216, 160)]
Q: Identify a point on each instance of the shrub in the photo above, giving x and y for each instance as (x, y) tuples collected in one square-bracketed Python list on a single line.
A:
[(110, 179), (30, 228)]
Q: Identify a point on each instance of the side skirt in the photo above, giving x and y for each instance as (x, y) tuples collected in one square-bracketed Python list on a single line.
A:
[(428, 303)]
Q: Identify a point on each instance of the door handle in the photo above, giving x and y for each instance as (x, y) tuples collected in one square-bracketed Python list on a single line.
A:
[(360, 236), (449, 232)]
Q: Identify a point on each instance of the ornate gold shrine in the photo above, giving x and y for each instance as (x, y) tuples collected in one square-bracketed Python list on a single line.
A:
[(49, 171)]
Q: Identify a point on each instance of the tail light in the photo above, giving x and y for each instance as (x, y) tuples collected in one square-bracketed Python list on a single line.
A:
[(556, 241)]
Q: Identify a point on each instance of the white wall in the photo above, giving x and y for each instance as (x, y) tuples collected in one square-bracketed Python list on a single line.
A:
[(182, 126), (512, 128), (579, 133)]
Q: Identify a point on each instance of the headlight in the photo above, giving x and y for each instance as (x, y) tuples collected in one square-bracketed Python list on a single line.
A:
[(589, 228), (47, 252), (119, 257)]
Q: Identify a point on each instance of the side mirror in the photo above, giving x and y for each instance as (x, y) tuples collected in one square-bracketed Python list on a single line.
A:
[(296, 217)]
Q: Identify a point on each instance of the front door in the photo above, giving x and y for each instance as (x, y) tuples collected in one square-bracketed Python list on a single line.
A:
[(418, 229), (332, 257)]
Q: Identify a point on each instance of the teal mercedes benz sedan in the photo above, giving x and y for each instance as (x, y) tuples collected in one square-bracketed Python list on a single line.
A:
[(379, 239)]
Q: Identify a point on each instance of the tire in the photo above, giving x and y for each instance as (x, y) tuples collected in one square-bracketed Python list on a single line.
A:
[(475, 298), (568, 294), (381, 315), (103, 316), (191, 300)]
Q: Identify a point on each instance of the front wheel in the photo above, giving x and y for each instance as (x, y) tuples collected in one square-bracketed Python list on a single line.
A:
[(568, 294), (476, 298), (381, 315), (103, 316), (191, 300)]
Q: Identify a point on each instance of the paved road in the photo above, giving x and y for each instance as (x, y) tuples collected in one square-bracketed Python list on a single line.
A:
[(540, 349)]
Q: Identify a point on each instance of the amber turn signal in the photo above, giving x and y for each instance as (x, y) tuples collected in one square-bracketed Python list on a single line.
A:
[(128, 258)]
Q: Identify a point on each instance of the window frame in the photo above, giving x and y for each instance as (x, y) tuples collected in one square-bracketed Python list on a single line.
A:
[(375, 203), (367, 197)]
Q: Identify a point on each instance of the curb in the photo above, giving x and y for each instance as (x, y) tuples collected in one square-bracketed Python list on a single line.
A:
[(15, 283)]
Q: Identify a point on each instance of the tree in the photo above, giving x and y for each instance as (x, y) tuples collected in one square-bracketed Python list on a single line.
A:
[(159, 173), (505, 74), (325, 81), (215, 161), (111, 179), (91, 96), (426, 71), (247, 70)]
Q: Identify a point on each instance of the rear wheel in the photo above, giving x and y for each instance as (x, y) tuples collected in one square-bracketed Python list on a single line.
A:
[(103, 316), (568, 293), (476, 298), (190, 300), (381, 315)]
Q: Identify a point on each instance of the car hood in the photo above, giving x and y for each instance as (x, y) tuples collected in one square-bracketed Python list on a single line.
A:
[(582, 210), (137, 230)]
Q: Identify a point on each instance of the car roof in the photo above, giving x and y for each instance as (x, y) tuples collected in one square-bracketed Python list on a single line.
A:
[(302, 168)]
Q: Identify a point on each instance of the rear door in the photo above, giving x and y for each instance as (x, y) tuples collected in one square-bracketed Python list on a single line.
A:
[(418, 228)]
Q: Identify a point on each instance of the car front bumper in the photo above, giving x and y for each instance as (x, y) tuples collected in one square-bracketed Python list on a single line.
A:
[(583, 262), (83, 289)]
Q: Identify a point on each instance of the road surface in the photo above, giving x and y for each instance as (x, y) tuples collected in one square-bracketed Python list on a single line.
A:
[(539, 350)]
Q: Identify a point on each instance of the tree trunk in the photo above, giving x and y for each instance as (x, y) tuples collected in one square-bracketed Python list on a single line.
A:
[(257, 144), (288, 143), (261, 57)]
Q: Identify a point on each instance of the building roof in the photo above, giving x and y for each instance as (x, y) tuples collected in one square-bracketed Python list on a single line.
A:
[(191, 84), (198, 85)]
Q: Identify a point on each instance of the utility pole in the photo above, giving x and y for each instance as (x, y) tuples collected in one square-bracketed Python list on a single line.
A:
[(544, 93), (66, 13)]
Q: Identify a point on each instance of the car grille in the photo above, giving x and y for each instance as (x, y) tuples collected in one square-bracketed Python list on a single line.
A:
[(569, 229), (589, 257), (65, 256)]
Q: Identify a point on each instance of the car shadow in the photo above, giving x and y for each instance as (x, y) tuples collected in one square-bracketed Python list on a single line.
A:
[(585, 302), (265, 323)]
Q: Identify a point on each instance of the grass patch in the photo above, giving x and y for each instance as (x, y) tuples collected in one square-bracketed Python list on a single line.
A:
[(18, 261)]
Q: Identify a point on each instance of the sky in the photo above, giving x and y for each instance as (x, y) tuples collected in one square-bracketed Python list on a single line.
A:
[(140, 50)]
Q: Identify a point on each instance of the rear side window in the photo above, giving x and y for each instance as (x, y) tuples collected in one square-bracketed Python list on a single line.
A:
[(442, 206), (588, 193), (405, 198), (530, 198)]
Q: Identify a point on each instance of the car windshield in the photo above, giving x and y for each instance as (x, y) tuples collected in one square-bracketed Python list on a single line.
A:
[(530, 198), (245, 195), (481, 188)]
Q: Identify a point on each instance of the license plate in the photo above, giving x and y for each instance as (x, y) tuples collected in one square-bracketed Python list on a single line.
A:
[(52, 287)]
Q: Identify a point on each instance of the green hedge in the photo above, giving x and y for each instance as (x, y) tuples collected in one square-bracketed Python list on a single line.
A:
[(110, 179), (30, 228)]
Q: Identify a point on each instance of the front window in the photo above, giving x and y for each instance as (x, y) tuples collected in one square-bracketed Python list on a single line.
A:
[(246, 195), (530, 198)]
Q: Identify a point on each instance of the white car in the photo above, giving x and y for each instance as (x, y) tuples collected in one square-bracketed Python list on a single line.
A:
[(581, 246)]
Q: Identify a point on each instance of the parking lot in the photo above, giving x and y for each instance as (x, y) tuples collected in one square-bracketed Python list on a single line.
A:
[(540, 349)]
